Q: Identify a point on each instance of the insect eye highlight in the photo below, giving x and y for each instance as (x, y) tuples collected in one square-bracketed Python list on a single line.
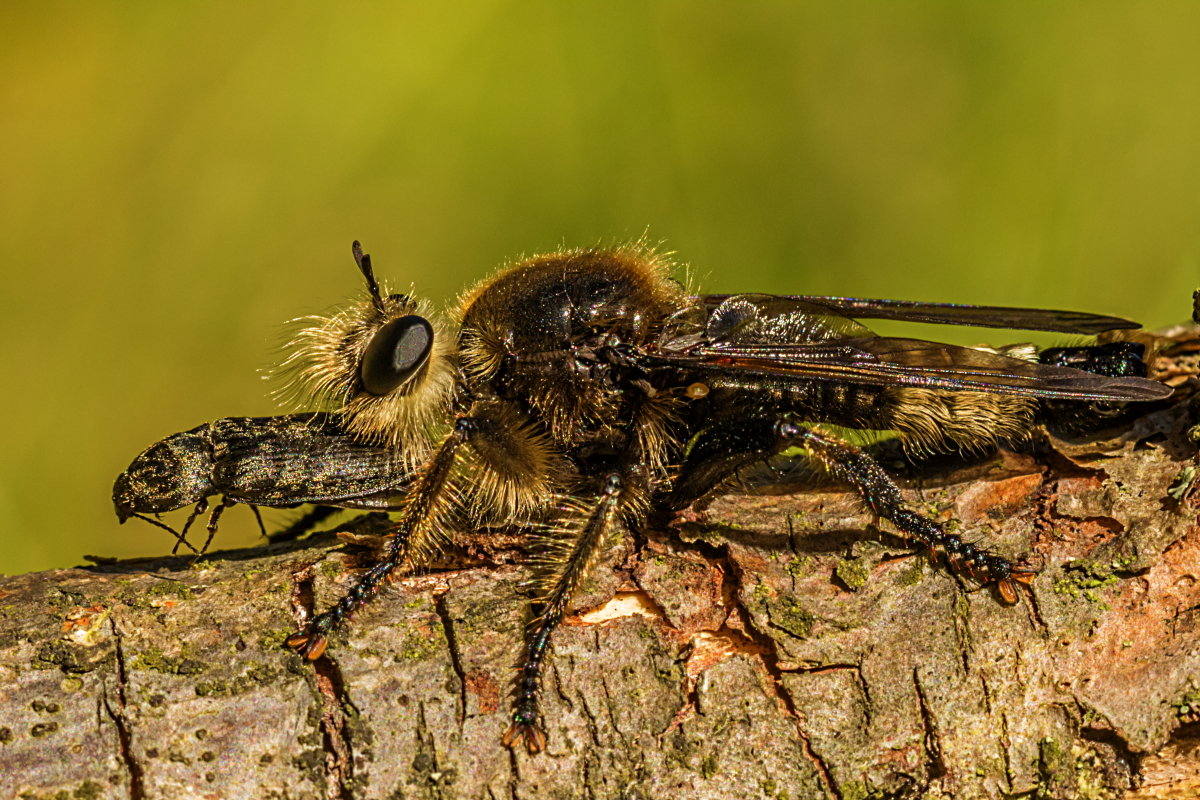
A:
[(395, 354)]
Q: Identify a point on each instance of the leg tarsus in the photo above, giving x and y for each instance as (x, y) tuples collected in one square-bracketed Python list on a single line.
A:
[(525, 731), (311, 646)]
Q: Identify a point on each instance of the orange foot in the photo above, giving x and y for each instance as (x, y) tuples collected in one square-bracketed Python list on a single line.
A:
[(535, 739), (308, 645), (1008, 586)]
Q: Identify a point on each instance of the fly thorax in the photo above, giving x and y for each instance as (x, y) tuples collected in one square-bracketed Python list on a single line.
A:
[(543, 331)]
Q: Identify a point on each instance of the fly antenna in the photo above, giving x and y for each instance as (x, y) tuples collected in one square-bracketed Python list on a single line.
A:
[(364, 266)]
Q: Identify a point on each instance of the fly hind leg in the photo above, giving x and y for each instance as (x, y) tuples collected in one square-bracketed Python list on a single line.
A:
[(883, 497), (724, 448)]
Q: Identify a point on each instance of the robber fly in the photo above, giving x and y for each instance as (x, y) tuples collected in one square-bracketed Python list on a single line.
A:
[(292, 460), (279, 462), (576, 391)]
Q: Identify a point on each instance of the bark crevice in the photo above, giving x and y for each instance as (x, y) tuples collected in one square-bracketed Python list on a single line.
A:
[(117, 716)]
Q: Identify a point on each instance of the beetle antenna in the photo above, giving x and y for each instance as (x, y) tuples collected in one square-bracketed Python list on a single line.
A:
[(169, 529)]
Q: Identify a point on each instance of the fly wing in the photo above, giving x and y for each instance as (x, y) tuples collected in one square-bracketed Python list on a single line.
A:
[(793, 337), (773, 318), (1026, 319), (304, 458)]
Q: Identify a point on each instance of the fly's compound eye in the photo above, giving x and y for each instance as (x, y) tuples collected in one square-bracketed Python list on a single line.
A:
[(395, 354)]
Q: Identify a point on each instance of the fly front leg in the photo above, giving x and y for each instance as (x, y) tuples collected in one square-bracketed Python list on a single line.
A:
[(564, 566), (883, 497), (493, 459), (416, 537)]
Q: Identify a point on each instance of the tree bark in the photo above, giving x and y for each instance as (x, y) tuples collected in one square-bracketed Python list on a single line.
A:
[(783, 647)]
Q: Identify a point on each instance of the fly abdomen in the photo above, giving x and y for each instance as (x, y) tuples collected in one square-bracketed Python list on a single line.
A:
[(931, 420), (854, 405)]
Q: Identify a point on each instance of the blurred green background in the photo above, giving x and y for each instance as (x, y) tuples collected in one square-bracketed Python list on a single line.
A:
[(177, 180)]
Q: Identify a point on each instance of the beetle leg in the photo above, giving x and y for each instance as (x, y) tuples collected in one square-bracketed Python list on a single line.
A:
[(214, 519), (181, 536)]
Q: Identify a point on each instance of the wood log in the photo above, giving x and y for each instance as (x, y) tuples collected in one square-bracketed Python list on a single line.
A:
[(784, 645)]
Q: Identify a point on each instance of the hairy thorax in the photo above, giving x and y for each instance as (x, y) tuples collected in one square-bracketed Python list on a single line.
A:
[(543, 332)]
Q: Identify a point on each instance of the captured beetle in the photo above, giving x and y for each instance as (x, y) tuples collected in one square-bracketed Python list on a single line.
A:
[(278, 462)]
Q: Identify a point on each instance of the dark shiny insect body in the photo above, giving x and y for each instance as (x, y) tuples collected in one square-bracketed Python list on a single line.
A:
[(1112, 358), (578, 391), (279, 462)]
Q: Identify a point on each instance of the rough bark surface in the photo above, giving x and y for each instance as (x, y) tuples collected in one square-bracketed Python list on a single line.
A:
[(784, 647)]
